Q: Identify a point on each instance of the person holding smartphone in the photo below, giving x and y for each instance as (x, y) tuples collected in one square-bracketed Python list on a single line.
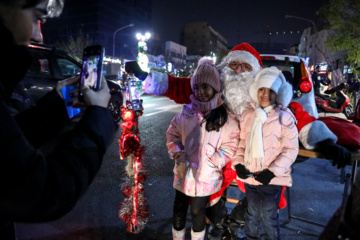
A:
[(36, 187)]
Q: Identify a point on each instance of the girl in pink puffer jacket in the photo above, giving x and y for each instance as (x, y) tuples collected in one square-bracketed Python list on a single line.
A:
[(201, 139), (267, 149)]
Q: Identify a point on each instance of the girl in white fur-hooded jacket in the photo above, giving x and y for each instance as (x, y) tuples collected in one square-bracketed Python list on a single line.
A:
[(267, 149), (201, 139)]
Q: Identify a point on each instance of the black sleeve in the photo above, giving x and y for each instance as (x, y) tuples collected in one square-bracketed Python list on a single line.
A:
[(43, 122), (39, 188)]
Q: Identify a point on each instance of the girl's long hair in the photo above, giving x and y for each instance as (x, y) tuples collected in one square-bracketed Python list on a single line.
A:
[(215, 119)]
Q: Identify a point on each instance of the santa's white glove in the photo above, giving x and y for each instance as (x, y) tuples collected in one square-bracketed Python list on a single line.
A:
[(156, 83)]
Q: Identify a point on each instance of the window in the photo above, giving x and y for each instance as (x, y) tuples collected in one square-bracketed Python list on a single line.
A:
[(39, 64), (67, 67)]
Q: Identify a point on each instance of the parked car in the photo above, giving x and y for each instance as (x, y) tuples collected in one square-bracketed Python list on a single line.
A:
[(49, 66), (297, 73)]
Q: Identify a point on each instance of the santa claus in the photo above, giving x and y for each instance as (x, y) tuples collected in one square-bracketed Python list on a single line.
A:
[(238, 70)]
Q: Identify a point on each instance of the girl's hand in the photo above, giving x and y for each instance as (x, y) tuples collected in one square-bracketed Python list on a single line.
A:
[(179, 156)]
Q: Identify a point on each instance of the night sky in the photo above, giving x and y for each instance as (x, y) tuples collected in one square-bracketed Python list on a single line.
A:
[(237, 20)]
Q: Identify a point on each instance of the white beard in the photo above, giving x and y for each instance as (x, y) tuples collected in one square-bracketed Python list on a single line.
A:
[(236, 89)]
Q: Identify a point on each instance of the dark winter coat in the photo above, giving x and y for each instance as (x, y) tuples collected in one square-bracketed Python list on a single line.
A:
[(36, 186), (315, 79)]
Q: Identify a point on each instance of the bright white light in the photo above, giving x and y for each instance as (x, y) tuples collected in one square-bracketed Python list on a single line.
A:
[(169, 66), (143, 38)]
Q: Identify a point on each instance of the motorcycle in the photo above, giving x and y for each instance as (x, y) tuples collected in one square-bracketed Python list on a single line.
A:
[(340, 104)]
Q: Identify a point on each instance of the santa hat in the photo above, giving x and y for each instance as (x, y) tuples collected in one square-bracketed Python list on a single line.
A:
[(206, 72), (246, 53), (274, 79)]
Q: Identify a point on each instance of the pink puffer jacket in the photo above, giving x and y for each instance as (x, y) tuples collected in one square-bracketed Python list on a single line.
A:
[(195, 173), (281, 145)]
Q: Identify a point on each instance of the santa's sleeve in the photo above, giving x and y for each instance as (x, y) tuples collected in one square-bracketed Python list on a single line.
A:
[(311, 130), (177, 89)]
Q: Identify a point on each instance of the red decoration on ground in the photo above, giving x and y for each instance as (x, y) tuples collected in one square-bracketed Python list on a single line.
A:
[(133, 210)]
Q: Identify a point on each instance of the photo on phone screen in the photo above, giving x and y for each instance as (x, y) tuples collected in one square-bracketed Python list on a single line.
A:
[(92, 67)]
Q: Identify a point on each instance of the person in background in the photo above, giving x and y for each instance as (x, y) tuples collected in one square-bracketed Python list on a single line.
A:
[(201, 139), (38, 187), (267, 149), (316, 79)]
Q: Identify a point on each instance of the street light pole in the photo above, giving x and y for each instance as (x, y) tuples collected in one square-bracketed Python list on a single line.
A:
[(305, 19), (315, 33), (130, 25)]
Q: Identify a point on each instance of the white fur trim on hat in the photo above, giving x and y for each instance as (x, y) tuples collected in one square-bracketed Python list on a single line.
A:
[(243, 56), (274, 79)]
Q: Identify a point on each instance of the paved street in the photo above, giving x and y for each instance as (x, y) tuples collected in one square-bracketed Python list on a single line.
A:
[(315, 195)]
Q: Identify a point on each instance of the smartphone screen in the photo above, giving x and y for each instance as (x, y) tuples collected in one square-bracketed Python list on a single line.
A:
[(92, 67)]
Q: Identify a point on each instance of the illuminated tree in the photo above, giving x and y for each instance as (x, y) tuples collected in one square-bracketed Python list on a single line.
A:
[(343, 18), (74, 46)]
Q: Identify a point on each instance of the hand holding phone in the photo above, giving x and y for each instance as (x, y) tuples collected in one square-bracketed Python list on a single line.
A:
[(66, 82), (98, 98), (91, 73)]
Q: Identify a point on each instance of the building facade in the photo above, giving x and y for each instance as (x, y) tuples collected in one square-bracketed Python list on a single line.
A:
[(175, 53), (98, 20), (201, 39), (312, 47)]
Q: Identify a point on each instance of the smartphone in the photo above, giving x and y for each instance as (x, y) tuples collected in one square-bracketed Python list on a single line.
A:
[(91, 73)]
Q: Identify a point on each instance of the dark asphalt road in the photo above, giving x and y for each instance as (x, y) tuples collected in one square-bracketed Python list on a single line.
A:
[(315, 195)]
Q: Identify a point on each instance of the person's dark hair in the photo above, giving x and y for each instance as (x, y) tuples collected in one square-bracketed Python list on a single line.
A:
[(54, 7), (215, 119)]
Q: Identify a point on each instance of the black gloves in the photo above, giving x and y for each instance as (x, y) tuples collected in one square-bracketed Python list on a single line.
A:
[(241, 171), (340, 155), (264, 176), (133, 67)]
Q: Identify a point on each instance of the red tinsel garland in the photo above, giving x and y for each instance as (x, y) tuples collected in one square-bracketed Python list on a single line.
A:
[(133, 210)]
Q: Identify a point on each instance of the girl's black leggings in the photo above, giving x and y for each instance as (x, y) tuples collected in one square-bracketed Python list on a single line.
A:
[(197, 211)]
